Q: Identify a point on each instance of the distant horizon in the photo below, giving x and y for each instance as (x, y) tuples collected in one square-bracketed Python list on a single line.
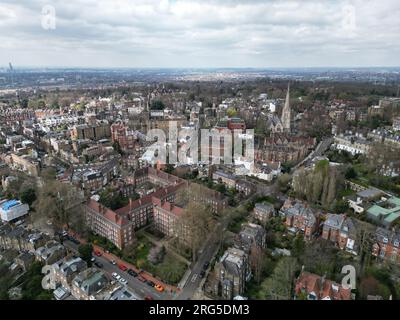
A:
[(200, 34), (21, 67)]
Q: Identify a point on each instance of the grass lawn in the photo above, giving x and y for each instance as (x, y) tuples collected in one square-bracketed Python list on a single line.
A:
[(141, 252), (171, 270)]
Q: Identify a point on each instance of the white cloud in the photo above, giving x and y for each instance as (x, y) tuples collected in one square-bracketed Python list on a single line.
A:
[(201, 33)]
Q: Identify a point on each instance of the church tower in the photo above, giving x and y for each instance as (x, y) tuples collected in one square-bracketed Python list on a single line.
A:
[(286, 113)]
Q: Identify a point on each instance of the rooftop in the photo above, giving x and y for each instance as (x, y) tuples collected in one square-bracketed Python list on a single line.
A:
[(388, 210)]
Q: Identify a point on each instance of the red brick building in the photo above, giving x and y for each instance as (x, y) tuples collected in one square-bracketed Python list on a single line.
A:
[(315, 287), (341, 230), (122, 135), (236, 124), (300, 217), (387, 245), (117, 228), (119, 225), (166, 216)]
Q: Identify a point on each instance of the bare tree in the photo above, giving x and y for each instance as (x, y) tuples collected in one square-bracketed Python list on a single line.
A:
[(60, 203), (196, 222), (281, 283), (257, 261)]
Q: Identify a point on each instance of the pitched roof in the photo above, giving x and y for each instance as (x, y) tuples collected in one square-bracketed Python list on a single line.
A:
[(170, 207), (107, 213), (322, 288)]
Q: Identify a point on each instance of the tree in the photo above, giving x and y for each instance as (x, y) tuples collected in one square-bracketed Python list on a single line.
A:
[(350, 173), (196, 222), (340, 206), (117, 147), (32, 284), (220, 188), (113, 200), (371, 286), (364, 236), (60, 203), (85, 252), (298, 246), (231, 112), (283, 182), (48, 174), (319, 185), (6, 281), (319, 257), (281, 283), (28, 196), (382, 157), (257, 261), (156, 254), (129, 251), (157, 105)]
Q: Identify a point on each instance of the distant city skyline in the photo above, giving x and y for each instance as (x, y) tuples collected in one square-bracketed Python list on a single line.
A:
[(200, 34)]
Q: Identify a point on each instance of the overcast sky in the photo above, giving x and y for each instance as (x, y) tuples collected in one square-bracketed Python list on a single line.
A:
[(200, 33)]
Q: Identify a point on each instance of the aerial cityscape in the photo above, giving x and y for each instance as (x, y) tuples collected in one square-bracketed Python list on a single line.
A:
[(187, 150)]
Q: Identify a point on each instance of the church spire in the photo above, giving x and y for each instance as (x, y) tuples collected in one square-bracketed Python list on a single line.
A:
[(286, 112)]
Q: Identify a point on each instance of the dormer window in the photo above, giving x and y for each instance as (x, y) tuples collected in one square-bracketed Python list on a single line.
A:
[(385, 240)]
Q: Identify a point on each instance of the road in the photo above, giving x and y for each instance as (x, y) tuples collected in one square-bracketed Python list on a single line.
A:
[(319, 150), (194, 279), (141, 289), (209, 249)]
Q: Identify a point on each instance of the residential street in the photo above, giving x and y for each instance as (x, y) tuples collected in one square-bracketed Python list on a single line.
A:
[(209, 249), (139, 288)]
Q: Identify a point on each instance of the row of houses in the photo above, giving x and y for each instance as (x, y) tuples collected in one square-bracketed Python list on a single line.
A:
[(343, 231), (71, 276)]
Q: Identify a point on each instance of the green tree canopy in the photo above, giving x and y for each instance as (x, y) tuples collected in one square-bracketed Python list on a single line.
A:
[(28, 196), (85, 251), (157, 105)]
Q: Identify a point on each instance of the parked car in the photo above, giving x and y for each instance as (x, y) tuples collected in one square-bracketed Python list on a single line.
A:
[(202, 273), (122, 267), (73, 240), (132, 273), (97, 253), (123, 281), (114, 275), (159, 288), (140, 278), (113, 262), (150, 283), (206, 265)]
